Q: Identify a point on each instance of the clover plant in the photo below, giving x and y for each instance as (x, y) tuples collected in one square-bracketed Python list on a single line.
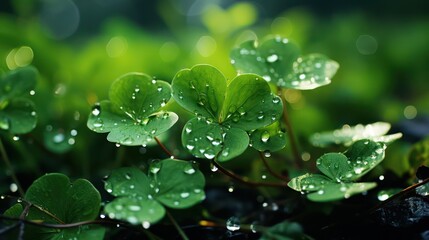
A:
[(227, 116)]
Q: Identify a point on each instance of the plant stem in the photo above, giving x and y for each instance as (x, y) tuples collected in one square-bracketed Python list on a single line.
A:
[(290, 132), (284, 178), (10, 168), (245, 180), (182, 234), (163, 147)]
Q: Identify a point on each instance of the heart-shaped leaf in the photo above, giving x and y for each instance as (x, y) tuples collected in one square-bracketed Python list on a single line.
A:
[(140, 197), (17, 113), (279, 61), (363, 156), (132, 115), (349, 134), (335, 166), (269, 138), (223, 112), (67, 202)]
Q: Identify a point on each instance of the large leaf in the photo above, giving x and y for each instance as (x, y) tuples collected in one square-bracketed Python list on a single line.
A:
[(225, 113), (279, 61), (17, 113), (68, 202), (132, 115), (140, 197), (349, 134)]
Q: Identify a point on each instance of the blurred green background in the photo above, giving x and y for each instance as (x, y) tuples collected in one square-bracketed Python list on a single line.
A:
[(81, 46)]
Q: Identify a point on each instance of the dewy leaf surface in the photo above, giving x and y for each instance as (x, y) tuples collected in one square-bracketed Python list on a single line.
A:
[(279, 61), (200, 90), (223, 113), (140, 197), (17, 113), (338, 191), (132, 115), (349, 134), (334, 165)]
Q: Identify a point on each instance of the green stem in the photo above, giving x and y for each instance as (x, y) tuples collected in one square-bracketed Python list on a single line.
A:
[(10, 168), (290, 132), (182, 234)]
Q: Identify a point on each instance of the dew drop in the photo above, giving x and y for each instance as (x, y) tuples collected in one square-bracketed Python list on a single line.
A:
[(213, 167), (98, 123), (15, 138), (96, 110), (189, 169), (13, 187), (184, 195), (4, 123), (265, 136), (155, 166), (267, 153), (272, 58), (134, 208), (209, 155), (146, 224), (233, 224), (32, 92), (190, 147)]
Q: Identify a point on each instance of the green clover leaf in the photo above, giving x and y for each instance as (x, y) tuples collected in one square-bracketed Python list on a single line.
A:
[(340, 170), (224, 112), (132, 115), (17, 113), (279, 62), (349, 134), (141, 198), (67, 202)]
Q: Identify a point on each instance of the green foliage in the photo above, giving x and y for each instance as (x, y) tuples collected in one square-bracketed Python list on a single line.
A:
[(349, 134), (17, 112), (141, 198), (279, 62), (132, 115), (62, 202), (419, 154), (224, 111), (340, 171)]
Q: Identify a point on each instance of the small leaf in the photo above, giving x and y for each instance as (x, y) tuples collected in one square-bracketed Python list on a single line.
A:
[(309, 182), (19, 116), (338, 191), (349, 134), (58, 140), (17, 113), (279, 61), (140, 197), (310, 72), (335, 166), (69, 202), (17, 83), (132, 115), (200, 90), (363, 156), (269, 138)]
